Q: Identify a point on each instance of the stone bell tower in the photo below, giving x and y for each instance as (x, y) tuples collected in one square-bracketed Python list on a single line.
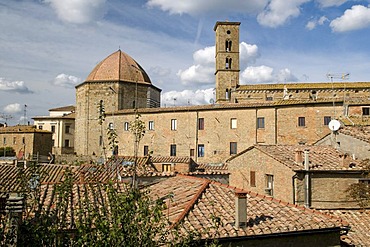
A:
[(227, 59)]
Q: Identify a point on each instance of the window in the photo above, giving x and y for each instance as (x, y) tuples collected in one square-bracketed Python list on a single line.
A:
[(110, 126), (327, 120), (365, 111), (40, 127), (260, 123), (4, 140), (126, 126), (192, 152), (228, 63), (269, 98), (68, 129), (23, 140), (14, 140), (228, 44), (53, 128), (301, 121), (269, 184), (173, 124), (173, 150), (166, 167), (66, 143), (233, 123), (200, 150), (252, 178), (53, 142), (100, 141), (233, 148), (146, 150), (201, 124), (151, 125)]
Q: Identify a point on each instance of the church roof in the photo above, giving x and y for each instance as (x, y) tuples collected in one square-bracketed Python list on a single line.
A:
[(118, 66)]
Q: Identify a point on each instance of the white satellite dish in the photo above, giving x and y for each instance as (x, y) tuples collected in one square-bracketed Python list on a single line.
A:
[(334, 125)]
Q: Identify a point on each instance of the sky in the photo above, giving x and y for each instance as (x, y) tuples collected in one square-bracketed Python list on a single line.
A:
[(47, 47)]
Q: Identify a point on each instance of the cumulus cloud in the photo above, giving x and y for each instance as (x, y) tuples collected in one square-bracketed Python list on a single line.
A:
[(14, 86), (314, 23), (78, 11), (202, 72), (12, 108), (330, 3), (265, 74), (279, 11), (194, 7), (358, 17), (188, 97), (67, 81)]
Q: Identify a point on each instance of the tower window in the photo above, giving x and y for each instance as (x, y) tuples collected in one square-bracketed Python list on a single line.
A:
[(228, 31), (228, 44), (228, 63)]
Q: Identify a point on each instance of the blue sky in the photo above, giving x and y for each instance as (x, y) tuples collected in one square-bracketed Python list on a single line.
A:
[(49, 46)]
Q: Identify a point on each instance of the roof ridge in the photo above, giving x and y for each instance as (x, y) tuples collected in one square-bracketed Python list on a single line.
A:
[(191, 203)]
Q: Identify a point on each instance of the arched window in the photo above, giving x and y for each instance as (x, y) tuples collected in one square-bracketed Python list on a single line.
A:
[(227, 63), (228, 44), (227, 94)]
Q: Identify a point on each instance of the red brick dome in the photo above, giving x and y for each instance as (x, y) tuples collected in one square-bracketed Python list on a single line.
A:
[(118, 67)]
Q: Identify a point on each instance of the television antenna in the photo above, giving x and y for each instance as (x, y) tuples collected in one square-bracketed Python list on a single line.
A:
[(6, 117), (337, 76)]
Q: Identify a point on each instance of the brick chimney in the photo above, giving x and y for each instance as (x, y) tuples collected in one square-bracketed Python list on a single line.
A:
[(82, 176), (240, 209), (344, 160), (298, 156)]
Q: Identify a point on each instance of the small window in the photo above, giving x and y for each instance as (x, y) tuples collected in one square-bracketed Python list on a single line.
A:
[(200, 150), (126, 126), (110, 126), (4, 140), (151, 125), (53, 128), (146, 150), (173, 150), (269, 190), (40, 127), (66, 143), (365, 111), (192, 152), (301, 121), (14, 140), (233, 123), (166, 167), (201, 124), (269, 98), (260, 123), (327, 120), (173, 124), (100, 140), (53, 142), (252, 178), (23, 140), (233, 148), (68, 129)]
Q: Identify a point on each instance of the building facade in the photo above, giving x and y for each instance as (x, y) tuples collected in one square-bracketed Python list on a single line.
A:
[(61, 122)]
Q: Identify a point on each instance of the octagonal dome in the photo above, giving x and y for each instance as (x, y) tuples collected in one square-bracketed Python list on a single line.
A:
[(118, 67)]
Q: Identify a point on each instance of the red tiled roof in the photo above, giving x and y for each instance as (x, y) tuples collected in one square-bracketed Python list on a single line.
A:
[(212, 166), (359, 132), (170, 159), (359, 222), (320, 157), (22, 129), (193, 202), (70, 108)]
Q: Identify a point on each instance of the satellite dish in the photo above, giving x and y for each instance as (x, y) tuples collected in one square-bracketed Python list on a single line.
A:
[(334, 125)]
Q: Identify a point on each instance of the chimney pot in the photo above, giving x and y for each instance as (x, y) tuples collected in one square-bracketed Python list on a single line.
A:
[(298, 156)]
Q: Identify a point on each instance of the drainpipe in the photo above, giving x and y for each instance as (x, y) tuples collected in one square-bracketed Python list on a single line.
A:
[(293, 186), (196, 138), (307, 189)]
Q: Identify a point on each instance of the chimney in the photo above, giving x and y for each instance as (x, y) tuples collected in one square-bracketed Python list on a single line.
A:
[(344, 160), (240, 209), (298, 156)]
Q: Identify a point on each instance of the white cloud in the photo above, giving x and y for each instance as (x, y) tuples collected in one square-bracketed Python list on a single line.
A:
[(12, 108), (78, 11), (313, 23), (330, 3), (279, 11), (194, 7), (187, 97), (265, 74), (14, 86), (202, 72), (67, 81), (358, 17)]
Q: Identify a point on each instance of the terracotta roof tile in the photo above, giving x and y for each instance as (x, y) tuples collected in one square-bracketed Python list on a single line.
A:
[(359, 132), (170, 159), (317, 85), (70, 108), (199, 201)]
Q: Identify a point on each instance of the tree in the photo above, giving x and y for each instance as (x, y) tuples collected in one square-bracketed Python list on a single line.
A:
[(360, 192)]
